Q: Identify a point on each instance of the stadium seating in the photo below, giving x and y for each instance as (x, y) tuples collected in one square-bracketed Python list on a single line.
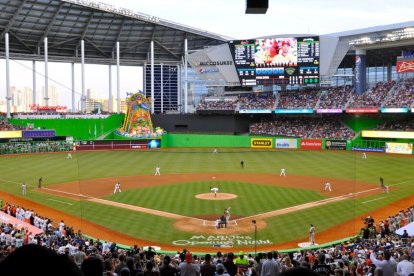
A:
[(360, 255)]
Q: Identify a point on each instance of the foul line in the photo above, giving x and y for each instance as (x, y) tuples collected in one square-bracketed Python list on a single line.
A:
[(59, 201), (262, 215), (373, 199)]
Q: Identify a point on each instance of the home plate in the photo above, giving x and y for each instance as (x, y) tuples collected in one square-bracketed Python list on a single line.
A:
[(306, 244)]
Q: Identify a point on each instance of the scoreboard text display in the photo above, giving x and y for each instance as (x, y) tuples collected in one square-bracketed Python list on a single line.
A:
[(270, 61)]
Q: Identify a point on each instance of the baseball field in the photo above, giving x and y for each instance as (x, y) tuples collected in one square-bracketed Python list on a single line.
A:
[(177, 209)]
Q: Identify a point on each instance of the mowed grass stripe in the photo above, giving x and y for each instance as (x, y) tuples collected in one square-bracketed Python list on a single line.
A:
[(263, 198)]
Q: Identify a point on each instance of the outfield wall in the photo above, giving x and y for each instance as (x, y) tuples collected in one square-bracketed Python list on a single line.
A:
[(79, 129)]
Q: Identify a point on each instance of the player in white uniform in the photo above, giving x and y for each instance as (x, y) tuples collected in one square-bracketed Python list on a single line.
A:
[(214, 190), (69, 156), (24, 189), (312, 235), (364, 155), (117, 187), (227, 214), (327, 186), (282, 172), (215, 151), (157, 170)]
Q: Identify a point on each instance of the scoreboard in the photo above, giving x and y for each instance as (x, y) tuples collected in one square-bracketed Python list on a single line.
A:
[(268, 61)]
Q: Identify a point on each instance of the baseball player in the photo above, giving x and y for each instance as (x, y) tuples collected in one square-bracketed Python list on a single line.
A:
[(117, 187), (312, 235), (157, 170), (214, 190), (364, 155), (282, 172), (215, 151), (227, 214), (24, 189), (383, 186), (69, 156), (327, 186)]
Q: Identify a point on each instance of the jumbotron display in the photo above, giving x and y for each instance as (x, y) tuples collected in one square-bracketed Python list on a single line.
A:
[(269, 61)]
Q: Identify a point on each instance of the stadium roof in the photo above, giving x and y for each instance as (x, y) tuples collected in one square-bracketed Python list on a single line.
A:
[(65, 23)]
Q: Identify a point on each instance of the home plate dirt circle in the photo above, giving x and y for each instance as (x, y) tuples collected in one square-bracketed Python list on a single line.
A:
[(218, 196)]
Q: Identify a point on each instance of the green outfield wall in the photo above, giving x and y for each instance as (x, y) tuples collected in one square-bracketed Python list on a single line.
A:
[(80, 129)]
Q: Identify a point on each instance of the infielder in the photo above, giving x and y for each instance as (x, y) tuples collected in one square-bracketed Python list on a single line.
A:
[(383, 186), (214, 190), (327, 186), (282, 172), (157, 170), (117, 187)]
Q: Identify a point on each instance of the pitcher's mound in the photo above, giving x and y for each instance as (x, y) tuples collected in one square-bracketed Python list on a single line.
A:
[(219, 196)]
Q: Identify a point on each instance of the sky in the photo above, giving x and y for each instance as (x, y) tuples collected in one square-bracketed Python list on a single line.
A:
[(224, 17)]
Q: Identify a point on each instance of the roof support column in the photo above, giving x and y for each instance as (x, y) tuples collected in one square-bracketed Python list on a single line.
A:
[(185, 76), (110, 103), (8, 98), (46, 98), (360, 71), (179, 89), (152, 77), (72, 65), (118, 81), (34, 100), (83, 97), (162, 89), (389, 72)]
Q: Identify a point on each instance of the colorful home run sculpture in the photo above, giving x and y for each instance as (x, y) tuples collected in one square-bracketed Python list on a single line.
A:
[(137, 121)]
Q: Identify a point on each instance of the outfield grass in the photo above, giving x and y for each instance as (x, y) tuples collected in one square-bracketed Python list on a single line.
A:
[(253, 198)]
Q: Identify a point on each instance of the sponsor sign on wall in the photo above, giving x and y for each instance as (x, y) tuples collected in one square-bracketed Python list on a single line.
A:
[(335, 144), (402, 148), (368, 149), (11, 134), (261, 143), (388, 134), (286, 143), (405, 66), (311, 144), (38, 133), (362, 110)]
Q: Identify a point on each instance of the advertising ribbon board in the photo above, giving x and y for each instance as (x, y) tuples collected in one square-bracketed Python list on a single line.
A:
[(401, 148), (261, 143), (286, 143), (311, 144), (335, 144)]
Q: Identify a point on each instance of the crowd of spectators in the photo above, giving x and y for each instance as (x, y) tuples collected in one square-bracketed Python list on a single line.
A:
[(217, 103), (373, 97), (335, 97), (403, 94), (302, 127), (305, 98), (4, 123), (35, 147), (332, 128), (61, 251), (264, 100), (405, 124)]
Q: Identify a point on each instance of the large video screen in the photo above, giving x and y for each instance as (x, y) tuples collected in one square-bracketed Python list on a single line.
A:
[(269, 61)]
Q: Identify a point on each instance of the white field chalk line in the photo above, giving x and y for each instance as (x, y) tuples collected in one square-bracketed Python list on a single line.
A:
[(263, 215), (373, 200), (59, 201)]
